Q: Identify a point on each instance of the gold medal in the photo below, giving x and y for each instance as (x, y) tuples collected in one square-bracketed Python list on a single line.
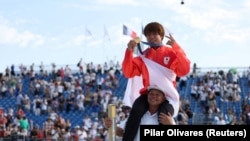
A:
[(137, 40)]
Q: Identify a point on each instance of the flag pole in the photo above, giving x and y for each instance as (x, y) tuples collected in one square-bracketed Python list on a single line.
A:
[(112, 115), (142, 33), (84, 44), (103, 41)]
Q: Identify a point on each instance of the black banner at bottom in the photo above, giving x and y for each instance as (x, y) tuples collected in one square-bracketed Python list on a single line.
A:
[(195, 132)]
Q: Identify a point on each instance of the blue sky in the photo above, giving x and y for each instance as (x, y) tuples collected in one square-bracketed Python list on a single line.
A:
[(214, 33)]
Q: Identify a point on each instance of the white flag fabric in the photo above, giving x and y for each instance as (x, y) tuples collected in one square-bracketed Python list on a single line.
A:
[(129, 32), (158, 75), (132, 90), (106, 34), (88, 33)]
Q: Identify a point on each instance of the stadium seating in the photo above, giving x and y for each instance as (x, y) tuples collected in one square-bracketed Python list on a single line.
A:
[(76, 116)]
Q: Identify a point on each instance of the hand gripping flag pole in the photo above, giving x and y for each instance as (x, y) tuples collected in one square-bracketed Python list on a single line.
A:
[(138, 40)]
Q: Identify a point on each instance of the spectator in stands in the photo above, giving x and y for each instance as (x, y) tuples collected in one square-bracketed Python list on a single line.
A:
[(41, 68), (16, 120), (24, 124), (241, 121), (82, 133), (248, 76), (20, 112), (230, 116), (4, 90), (95, 109), (185, 105), (101, 134), (23, 70), (194, 92), (92, 132), (37, 105), (55, 133), (67, 123), (55, 104), (99, 69), (47, 126), (194, 69), (80, 98), (53, 115), (220, 120), (14, 132), (117, 68), (211, 98), (100, 81), (44, 106), (92, 67), (59, 122), (22, 133), (61, 74), (61, 101), (80, 65), (75, 133), (7, 72), (154, 98), (110, 81), (19, 100), (10, 116), (70, 102), (34, 133), (183, 82), (13, 90), (106, 67), (247, 99), (32, 67), (87, 121), (27, 103), (168, 61), (40, 135), (182, 117), (12, 70), (7, 133), (3, 122), (68, 71), (66, 134)]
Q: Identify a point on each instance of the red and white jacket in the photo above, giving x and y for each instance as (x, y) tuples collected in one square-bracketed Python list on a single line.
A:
[(155, 66)]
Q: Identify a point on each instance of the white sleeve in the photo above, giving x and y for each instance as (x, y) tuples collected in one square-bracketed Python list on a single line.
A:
[(123, 123)]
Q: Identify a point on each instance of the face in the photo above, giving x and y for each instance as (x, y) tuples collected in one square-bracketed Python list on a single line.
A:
[(155, 97), (153, 38)]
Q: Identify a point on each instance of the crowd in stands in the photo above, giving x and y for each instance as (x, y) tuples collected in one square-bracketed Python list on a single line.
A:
[(62, 90), (221, 98)]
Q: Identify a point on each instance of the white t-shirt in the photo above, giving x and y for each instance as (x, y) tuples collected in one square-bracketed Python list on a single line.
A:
[(82, 135), (147, 119)]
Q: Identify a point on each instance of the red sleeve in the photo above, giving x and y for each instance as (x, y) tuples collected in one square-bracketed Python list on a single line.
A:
[(181, 65), (131, 66)]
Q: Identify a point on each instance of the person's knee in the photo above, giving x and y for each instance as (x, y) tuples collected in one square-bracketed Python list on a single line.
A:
[(140, 105), (141, 101)]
